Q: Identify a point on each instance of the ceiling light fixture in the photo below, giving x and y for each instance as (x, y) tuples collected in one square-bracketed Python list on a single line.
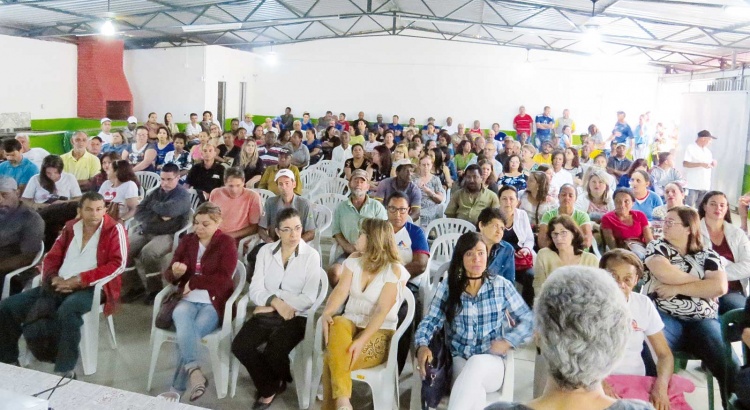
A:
[(211, 27), (108, 29)]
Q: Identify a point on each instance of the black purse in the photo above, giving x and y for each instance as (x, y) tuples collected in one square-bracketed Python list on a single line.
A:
[(438, 373), (164, 317)]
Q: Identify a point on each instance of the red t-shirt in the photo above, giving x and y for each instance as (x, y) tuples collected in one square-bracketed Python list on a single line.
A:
[(523, 124), (625, 232)]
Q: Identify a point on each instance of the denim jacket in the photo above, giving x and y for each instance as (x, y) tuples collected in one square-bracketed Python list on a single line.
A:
[(502, 261)]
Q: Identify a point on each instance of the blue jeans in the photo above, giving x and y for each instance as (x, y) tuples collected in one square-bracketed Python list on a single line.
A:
[(702, 339), (192, 321)]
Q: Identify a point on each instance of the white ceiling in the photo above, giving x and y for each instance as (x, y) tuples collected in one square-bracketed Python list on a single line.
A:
[(683, 35)]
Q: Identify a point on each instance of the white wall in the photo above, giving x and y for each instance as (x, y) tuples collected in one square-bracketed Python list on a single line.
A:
[(166, 80), (422, 78), (185, 80), (39, 77), (232, 67)]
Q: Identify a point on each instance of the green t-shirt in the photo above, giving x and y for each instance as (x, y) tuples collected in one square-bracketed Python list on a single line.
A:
[(579, 217)]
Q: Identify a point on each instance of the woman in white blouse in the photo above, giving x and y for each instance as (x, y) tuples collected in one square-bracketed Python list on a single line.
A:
[(519, 234), (51, 185), (284, 287), (372, 281), (121, 189)]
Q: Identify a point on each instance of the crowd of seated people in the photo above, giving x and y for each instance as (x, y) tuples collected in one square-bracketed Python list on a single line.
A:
[(542, 206)]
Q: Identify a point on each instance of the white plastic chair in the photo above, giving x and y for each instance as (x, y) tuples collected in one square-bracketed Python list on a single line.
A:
[(301, 356), (332, 186), (441, 252), (89, 345), (331, 168), (264, 195), (330, 201), (382, 379), (444, 226), (323, 220), (11, 275), (311, 178), (148, 179), (218, 342), (195, 199)]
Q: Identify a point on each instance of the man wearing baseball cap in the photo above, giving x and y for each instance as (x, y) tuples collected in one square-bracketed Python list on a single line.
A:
[(618, 164), (268, 180), (128, 133), (402, 183), (21, 236), (106, 127), (698, 162), (346, 220), (285, 180)]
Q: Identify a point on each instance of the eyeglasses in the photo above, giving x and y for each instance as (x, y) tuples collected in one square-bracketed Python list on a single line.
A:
[(297, 228), (393, 210), (670, 223), (560, 234)]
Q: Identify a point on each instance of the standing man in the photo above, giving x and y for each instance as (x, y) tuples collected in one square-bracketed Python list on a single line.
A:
[(563, 121), (378, 126), (90, 248), (470, 200), (449, 127), (16, 166), (544, 126), (621, 132), (161, 213), (287, 119), (618, 164), (347, 217), (402, 183), (240, 206), (81, 163), (698, 162), (35, 155), (640, 142), (21, 236), (128, 133), (523, 122)]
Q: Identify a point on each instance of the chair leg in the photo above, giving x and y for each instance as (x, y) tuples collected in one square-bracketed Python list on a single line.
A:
[(111, 325), (382, 397), (156, 342), (89, 345), (317, 374), (302, 372), (220, 369), (235, 374), (710, 387)]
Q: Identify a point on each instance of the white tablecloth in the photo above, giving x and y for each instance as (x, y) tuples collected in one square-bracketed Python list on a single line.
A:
[(78, 395)]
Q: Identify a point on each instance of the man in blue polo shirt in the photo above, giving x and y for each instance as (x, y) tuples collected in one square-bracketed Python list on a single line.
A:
[(397, 128), (544, 125), (621, 132), (402, 183), (414, 252), (16, 166)]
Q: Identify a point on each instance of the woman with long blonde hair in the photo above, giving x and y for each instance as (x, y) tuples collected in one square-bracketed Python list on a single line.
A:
[(371, 284), (250, 163)]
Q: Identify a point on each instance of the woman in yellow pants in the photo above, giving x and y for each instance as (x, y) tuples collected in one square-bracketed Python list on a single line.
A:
[(372, 280)]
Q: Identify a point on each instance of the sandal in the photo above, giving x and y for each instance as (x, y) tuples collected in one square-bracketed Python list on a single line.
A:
[(197, 391)]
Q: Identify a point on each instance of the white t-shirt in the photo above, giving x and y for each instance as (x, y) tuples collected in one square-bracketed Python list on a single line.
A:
[(119, 194), (561, 178), (193, 130), (361, 304), (106, 138), (36, 155), (403, 243), (645, 322), (340, 155), (698, 178), (67, 186), (199, 295)]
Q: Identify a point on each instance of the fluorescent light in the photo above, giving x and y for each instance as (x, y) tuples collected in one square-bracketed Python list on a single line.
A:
[(426, 20), (592, 38), (272, 58), (211, 27), (108, 29)]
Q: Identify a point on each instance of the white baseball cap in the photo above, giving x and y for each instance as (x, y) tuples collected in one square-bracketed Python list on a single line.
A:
[(284, 173), (132, 120), (105, 119)]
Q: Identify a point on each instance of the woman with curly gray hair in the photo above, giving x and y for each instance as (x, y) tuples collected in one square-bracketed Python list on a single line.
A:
[(582, 327)]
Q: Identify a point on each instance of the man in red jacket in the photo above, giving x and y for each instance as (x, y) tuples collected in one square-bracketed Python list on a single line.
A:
[(89, 249)]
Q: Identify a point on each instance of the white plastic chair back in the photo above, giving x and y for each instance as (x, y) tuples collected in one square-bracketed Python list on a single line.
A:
[(264, 195), (332, 186), (323, 220), (310, 179), (195, 199), (441, 252), (148, 179), (332, 169), (329, 200), (217, 342), (444, 226), (382, 379), (11, 275)]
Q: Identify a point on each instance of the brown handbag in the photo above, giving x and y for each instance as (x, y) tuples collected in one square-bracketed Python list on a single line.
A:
[(113, 210), (164, 317)]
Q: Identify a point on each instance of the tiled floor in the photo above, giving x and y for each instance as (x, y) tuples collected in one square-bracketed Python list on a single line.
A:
[(127, 368)]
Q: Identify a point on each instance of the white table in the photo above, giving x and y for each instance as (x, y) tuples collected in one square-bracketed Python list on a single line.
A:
[(78, 395)]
